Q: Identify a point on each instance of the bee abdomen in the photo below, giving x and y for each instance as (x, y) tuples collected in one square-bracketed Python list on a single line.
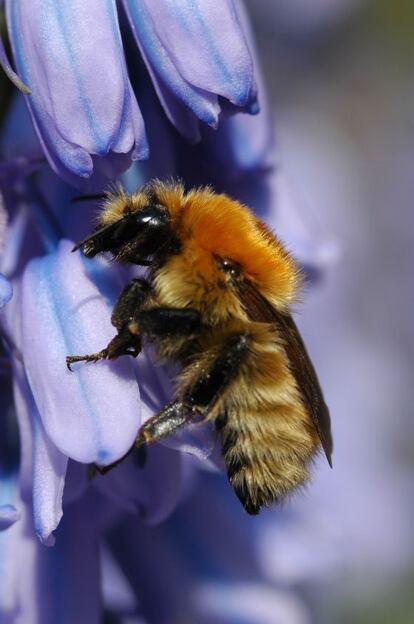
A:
[(265, 455)]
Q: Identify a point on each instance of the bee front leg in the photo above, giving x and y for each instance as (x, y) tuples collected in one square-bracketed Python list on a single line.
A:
[(124, 319), (123, 343)]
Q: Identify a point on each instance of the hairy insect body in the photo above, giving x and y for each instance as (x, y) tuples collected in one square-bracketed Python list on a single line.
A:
[(267, 438), (217, 301), (266, 435)]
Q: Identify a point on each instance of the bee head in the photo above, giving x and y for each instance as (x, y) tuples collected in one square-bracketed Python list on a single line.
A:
[(133, 228), (201, 246)]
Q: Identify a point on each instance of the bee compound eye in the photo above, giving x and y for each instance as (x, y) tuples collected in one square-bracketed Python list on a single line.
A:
[(231, 267)]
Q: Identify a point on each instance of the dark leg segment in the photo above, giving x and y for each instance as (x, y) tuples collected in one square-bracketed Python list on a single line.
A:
[(170, 418), (202, 395), (163, 322), (129, 302), (127, 341), (123, 343), (211, 383)]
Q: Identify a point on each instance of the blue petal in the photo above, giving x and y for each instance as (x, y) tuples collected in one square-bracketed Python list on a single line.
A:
[(93, 413), (46, 465), (161, 66), (76, 72), (10, 526), (9, 453), (9, 572), (9, 484), (204, 41), (8, 516)]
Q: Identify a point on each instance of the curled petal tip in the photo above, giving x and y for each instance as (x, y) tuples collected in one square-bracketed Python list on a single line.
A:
[(48, 540), (254, 108), (8, 516)]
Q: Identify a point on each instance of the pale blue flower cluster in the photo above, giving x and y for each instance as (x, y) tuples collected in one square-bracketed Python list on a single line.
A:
[(150, 89)]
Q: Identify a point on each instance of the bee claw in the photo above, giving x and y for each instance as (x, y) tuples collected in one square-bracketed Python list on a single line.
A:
[(93, 357)]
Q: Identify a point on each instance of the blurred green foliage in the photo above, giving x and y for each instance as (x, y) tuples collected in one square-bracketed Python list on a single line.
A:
[(394, 606), (395, 18), (398, 15)]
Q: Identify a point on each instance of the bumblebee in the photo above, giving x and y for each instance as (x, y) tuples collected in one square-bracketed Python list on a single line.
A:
[(216, 300)]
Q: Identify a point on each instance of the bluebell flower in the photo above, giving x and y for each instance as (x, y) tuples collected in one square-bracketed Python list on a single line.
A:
[(148, 532), (62, 303), (81, 101), (6, 290)]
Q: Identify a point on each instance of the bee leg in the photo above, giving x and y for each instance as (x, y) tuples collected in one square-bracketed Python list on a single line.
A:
[(208, 388), (123, 343), (202, 395), (164, 322), (129, 302), (127, 341), (171, 417)]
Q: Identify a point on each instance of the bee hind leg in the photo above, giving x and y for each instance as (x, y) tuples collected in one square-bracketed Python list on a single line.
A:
[(202, 395), (199, 398), (170, 418)]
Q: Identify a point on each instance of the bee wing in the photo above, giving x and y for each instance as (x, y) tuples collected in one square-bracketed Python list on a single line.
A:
[(260, 310)]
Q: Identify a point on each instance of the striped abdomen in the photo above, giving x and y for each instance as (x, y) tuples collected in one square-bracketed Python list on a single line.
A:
[(267, 437)]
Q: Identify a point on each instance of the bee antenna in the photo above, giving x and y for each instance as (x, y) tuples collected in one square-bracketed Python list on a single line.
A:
[(80, 198)]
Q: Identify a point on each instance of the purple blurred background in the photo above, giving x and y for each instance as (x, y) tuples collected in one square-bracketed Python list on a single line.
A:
[(340, 79), (340, 76)]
